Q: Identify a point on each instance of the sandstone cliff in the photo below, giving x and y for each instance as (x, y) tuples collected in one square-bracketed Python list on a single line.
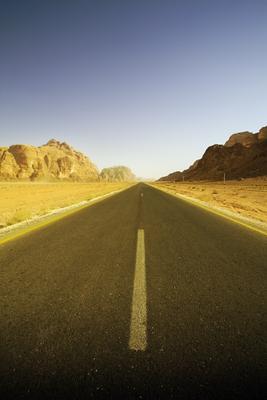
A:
[(117, 174), (52, 161), (244, 155)]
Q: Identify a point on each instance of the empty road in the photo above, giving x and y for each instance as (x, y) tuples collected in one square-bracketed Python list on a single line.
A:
[(140, 296)]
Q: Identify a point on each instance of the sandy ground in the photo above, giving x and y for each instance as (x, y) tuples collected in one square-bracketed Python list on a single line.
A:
[(22, 201), (247, 197)]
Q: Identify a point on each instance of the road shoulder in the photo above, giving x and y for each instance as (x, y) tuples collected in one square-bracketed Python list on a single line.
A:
[(249, 223), (12, 232)]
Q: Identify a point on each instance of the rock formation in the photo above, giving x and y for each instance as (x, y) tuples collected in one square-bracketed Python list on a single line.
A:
[(52, 161), (247, 139), (244, 155), (117, 174)]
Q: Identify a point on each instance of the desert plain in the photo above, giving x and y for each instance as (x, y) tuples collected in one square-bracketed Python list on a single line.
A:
[(247, 197), (20, 201)]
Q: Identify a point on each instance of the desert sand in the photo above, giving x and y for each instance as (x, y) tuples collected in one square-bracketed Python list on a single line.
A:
[(21, 201), (247, 197)]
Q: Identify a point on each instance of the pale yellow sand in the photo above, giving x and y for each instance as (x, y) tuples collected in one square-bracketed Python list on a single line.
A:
[(247, 197), (21, 201)]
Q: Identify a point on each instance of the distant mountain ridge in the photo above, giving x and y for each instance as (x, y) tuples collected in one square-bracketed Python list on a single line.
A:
[(243, 155), (118, 173), (52, 161)]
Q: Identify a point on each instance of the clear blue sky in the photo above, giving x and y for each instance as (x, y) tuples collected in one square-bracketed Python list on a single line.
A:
[(148, 84)]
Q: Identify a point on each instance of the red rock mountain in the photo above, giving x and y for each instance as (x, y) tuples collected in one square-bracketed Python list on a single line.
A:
[(52, 161), (244, 155)]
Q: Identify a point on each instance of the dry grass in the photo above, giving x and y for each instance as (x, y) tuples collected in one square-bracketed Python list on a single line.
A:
[(21, 201), (247, 197)]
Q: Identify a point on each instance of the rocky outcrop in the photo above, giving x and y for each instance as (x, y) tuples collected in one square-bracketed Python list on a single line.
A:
[(52, 161), (244, 155), (262, 135), (117, 174), (246, 139)]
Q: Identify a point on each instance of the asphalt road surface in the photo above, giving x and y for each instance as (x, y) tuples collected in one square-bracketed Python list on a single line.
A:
[(141, 295)]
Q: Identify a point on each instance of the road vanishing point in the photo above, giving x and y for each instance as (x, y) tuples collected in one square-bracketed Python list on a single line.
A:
[(139, 296)]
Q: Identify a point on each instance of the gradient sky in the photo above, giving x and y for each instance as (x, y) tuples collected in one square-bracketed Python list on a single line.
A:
[(147, 84)]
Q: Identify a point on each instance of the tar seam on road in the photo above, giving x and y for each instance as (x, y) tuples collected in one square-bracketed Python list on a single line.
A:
[(138, 329)]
